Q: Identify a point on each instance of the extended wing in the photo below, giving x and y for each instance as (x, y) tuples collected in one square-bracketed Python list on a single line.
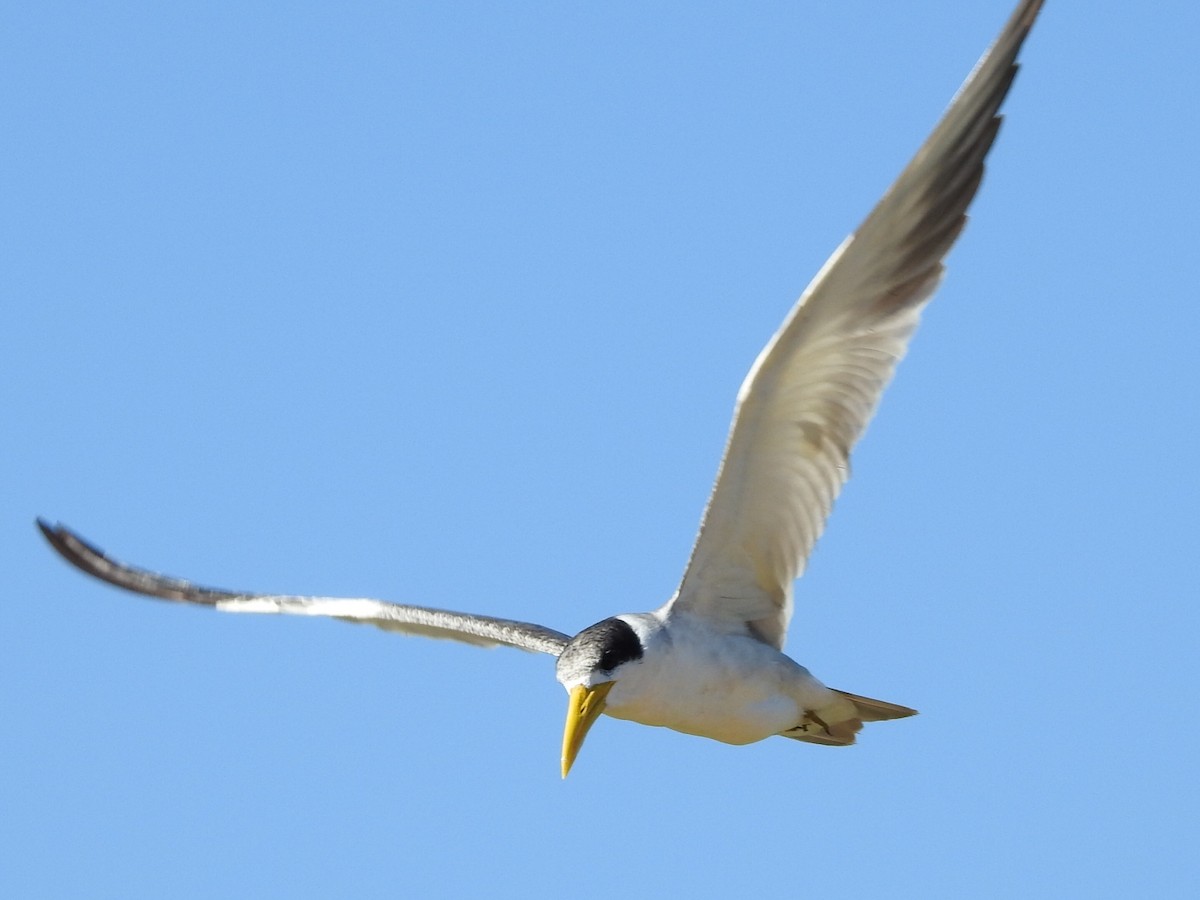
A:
[(482, 631), (812, 390)]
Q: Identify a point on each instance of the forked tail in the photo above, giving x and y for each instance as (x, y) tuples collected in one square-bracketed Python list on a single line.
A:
[(838, 724)]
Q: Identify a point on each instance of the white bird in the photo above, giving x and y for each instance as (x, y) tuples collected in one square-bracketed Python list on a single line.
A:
[(709, 662)]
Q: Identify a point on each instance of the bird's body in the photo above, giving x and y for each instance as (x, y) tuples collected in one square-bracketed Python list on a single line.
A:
[(726, 686), (710, 662)]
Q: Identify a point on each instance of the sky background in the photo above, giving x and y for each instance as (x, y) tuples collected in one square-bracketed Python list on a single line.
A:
[(448, 304)]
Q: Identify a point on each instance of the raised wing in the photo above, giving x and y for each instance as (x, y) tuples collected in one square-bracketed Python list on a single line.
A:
[(482, 631), (812, 390)]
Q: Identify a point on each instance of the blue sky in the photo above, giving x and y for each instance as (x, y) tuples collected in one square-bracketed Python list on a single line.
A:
[(448, 304)]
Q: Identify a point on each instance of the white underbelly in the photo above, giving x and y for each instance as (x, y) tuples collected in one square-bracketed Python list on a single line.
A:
[(732, 723), (736, 693)]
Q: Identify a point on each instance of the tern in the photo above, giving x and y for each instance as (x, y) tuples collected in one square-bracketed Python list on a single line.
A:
[(709, 662)]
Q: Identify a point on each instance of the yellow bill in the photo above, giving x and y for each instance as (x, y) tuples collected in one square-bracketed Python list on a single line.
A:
[(583, 708)]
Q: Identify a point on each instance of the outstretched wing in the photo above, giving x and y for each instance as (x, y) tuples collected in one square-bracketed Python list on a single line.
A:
[(482, 631), (812, 390)]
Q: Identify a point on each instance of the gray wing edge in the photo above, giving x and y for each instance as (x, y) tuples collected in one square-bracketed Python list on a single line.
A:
[(414, 620), (955, 153)]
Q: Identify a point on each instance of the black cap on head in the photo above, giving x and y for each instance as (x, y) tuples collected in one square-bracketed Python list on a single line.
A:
[(600, 647)]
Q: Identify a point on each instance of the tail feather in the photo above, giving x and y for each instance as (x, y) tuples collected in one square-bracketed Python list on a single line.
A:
[(838, 724), (876, 710)]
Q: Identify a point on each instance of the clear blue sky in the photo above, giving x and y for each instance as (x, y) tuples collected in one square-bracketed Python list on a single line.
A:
[(448, 304)]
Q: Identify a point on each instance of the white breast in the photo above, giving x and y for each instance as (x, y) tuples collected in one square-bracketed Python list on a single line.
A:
[(727, 687)]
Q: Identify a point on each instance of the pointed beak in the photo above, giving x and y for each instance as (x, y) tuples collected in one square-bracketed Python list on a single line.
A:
[(583, 708)]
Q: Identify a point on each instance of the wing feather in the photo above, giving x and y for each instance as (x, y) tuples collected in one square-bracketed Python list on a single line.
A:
[(483, 631), (813, 389)]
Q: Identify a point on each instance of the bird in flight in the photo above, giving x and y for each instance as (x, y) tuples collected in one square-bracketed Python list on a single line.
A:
[(710, 661)]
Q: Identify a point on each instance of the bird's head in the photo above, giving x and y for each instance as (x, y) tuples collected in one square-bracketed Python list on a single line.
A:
[(588, 668)]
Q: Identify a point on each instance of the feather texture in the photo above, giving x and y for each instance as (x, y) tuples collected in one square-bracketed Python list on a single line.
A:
[(813, 389)]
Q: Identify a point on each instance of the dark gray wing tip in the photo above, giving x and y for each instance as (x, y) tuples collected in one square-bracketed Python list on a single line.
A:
[(953, 157), (93, 561)]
